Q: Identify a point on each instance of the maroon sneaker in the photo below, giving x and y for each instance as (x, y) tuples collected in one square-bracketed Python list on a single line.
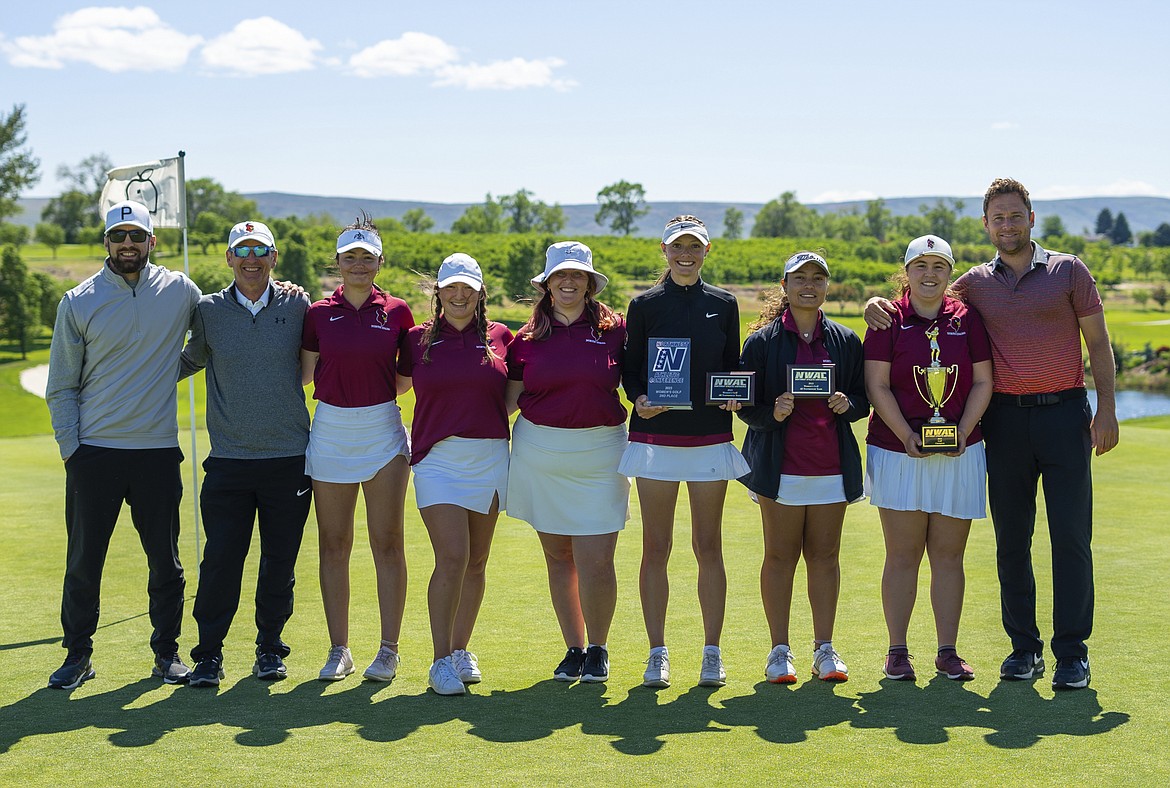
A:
[(951, 665), (898, 665)]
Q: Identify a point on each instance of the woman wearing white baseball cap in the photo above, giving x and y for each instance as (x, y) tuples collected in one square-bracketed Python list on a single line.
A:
[(564, 368), (668, 447), (350, 346), (926, 501), (806, 466), (459, 452)]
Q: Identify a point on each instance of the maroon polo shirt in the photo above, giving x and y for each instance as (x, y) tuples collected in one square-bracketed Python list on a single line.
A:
[(358, 347), (811, 438), (571, 378), (457, 392), (1034, 320), (962, 341)]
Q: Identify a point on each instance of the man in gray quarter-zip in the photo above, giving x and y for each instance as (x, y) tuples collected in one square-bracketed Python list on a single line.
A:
[(111, 396), (248, 336)]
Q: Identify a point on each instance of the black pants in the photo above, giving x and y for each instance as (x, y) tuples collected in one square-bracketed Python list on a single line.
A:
[(1050, 443), (97, 482), (234, 493)]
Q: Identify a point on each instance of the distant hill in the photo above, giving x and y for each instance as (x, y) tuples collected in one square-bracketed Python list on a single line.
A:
[(1079, 215)]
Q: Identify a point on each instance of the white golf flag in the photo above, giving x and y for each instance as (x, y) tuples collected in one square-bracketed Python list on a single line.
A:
[(156, 184)]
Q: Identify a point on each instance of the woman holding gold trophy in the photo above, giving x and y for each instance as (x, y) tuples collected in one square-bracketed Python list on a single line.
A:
[(929, 378)]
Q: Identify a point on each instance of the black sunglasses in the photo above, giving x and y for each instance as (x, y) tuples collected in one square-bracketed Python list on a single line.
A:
[(118, 236)]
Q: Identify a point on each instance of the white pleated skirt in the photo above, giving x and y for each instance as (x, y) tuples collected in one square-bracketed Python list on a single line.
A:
[(348, 445), (566, 482), (721, 462), (810, 490), (954, 486), (467, 472)]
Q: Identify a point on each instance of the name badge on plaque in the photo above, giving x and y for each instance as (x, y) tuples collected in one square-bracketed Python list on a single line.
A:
[(812, 380), (731, 387), (668, 373), (936, 385)]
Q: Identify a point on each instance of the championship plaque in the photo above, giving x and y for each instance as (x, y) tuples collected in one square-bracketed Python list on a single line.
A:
[(936, 385), (731, 387), (668, 377), (812, 380)]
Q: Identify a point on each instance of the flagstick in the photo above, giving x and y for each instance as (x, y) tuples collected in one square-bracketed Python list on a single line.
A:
[(191, 379)]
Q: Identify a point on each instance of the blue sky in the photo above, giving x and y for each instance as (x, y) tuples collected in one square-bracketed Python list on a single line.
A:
[(734, 101)]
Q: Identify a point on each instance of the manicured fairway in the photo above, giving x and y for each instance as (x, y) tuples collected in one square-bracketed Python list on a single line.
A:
[(520, 728)]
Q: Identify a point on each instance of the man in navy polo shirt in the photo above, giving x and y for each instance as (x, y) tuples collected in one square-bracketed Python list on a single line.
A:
[(248, 336)]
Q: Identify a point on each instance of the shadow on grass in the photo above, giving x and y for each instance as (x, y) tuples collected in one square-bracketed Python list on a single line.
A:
[(1014, 712)]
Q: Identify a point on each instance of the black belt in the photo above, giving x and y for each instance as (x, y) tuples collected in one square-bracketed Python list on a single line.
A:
[(1037, 400)]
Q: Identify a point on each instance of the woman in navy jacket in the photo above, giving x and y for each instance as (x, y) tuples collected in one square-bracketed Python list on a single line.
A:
[(802, 493)]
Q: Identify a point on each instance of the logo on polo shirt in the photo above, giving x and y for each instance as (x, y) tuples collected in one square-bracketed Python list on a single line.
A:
[(382, 318)]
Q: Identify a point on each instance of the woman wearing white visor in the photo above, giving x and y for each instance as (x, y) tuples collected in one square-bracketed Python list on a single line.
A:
[(350, 346)]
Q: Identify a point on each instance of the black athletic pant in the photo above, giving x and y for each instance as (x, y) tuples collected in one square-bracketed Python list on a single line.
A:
[(1050, 443), (97, 482), (234, 493)]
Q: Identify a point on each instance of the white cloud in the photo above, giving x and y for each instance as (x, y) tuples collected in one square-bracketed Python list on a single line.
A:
[(1121, 188), (1004, 125), (111, 38), (409, 54), (843, 196), (505, 75), (261, 46)]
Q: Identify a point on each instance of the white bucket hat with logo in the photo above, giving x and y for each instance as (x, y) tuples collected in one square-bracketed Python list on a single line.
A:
[(571, 255)]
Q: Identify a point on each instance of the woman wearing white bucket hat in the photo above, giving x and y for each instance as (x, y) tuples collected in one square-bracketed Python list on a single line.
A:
[(459, 452), (926, 501), (564, 368), (668, 447), (350, 345)]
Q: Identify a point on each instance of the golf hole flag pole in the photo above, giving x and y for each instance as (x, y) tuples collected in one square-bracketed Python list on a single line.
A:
[(161, 186)]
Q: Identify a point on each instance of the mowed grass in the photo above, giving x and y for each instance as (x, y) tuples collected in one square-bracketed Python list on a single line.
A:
[(520, 728)]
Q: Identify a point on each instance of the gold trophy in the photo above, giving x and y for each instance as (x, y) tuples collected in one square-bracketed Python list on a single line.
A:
[(936, 385)]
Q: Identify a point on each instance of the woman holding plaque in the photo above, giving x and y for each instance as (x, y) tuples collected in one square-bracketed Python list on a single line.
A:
[(563, 372), (805, 463), (459, 452), (694, 328), (929, 377)]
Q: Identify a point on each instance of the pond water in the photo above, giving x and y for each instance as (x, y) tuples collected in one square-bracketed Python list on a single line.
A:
[(1136, 404)]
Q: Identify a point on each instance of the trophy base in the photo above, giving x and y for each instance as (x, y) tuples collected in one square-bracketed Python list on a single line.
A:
[(940, 438)]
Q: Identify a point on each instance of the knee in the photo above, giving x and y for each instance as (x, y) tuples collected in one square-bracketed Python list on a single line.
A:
[(451, 562), (561, 557), (656, 551), (476, 565), (903, 560), (708, 548)]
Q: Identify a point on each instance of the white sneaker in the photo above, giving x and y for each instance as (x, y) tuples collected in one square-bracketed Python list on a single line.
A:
[(443, 679), (712, 673), (338, 666), (384, 667), (657, 669), (827, 664), (780, 669), (466, 666)]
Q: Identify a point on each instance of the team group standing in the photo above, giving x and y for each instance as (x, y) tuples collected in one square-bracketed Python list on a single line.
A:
[(1005, 338)]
